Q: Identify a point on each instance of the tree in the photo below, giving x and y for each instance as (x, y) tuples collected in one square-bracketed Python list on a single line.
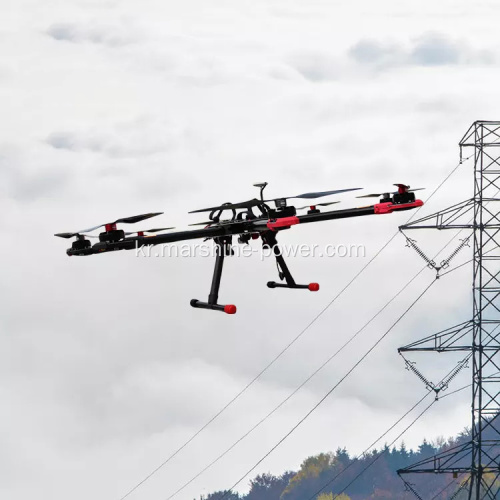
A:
[(329, 496), (311, 468), (218, 494), (268, 487)]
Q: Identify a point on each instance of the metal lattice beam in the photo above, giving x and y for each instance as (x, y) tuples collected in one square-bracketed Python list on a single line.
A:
[(479, 458)]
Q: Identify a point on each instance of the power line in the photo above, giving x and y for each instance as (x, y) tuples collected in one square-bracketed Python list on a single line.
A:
[(302, 420), (257, 377), (371, 445), (390, 444), (275, 409), (368, 448), (285, 349), (262, 420)]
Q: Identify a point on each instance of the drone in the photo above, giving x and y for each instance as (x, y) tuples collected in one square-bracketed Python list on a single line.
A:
[(248, 220)]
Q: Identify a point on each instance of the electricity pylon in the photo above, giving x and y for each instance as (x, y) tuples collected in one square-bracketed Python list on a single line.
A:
[(477, 462)]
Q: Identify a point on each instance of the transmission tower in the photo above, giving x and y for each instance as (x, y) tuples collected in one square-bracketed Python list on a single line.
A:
[(475, 464)]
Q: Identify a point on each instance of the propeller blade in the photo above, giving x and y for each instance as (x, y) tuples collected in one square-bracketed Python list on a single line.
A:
[(125, 220), (378, 195), (254, 202), (136, 218), (71, 235), (206, 223), (90, 229), (158, 229), (319, 194), (230, 206), (155, 230), (66, 235), (319, 205), (316, 194), (212, 222)]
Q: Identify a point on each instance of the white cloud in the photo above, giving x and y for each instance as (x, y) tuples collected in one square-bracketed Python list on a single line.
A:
[(429, 49), (112, 109)]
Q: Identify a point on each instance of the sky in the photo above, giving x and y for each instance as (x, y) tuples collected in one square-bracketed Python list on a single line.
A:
[(114, 108)]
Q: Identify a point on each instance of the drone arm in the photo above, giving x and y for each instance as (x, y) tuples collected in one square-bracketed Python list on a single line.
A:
[(337, 214), (250, 226), (140, 241), (377, 209)]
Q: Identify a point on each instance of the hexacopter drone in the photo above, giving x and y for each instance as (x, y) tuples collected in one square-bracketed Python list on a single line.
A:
[(244, 222)]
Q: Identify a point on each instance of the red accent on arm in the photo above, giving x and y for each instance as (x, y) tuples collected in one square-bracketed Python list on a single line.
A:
[(388, 207), (313, 287), (110, 227), (274, 224), (230, 309), (383, 208)]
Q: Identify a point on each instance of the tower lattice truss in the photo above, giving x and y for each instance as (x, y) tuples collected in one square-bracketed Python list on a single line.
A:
[(474, 466)]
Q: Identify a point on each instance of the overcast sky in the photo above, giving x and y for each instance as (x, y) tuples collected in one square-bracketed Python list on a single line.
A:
[(112, 108)]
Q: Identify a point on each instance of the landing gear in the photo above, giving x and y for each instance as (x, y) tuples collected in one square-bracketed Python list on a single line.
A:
[(223, 248), (269, 239)]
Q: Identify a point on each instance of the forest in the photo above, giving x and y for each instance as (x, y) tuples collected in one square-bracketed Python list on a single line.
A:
[(338, 475)]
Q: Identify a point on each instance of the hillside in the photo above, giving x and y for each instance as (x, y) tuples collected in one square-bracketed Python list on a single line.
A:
[(339, 475)]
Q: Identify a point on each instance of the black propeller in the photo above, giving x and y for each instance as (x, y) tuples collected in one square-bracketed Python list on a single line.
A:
[(315, 194), (211, 222), (402, 188), (155, 230), (78, 235), (124, 220), (230, 206), (255, 202), (319, 205)]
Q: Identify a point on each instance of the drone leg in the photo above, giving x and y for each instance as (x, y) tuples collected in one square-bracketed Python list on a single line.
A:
[(284, 273), (222, 246)]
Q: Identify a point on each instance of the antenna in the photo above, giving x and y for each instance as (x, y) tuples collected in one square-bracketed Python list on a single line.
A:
[(262, 186)]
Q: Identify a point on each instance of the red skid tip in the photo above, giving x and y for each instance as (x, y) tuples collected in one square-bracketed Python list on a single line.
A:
[(313, 287), (230, 309)]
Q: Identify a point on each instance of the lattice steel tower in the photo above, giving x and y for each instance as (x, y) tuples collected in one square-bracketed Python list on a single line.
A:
[(476, 463)]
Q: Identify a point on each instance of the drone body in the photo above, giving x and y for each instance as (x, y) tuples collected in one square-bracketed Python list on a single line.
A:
[(245, 224)]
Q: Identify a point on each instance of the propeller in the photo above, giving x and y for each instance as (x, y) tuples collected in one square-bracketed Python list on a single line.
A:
[(124, 220), (255, 202), (402, 188), (315, 194), (78, 235), (155, 230), (230, 206), (211, 222), (319, 205)]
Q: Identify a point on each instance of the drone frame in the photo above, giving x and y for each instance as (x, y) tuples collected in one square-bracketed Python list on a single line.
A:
[(246, 225)]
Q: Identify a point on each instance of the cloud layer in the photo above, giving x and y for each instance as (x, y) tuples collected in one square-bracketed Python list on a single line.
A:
[(112, 109)]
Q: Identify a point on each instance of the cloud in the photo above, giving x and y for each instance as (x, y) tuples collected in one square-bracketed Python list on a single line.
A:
[(315, 66), (107, 368), (436, 50), (110, 35), (375, 52), (431, 49), (135, 139), (26, 181)]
